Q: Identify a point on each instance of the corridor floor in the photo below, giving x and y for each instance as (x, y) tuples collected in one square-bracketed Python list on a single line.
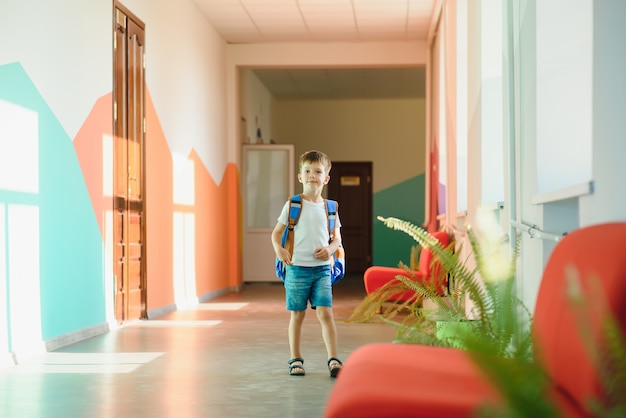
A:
[(224, 358)]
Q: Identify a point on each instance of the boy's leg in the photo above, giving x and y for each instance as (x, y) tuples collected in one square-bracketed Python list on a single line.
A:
[(296, 366), (329, 330), (322, 299), (297, 296), (295, 332)]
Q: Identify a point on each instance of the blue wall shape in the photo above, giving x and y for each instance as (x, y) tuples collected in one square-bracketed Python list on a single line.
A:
[(405, 201), (71, 246)]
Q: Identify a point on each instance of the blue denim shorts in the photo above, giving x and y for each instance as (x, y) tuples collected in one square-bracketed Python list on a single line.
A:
[(308, 284)]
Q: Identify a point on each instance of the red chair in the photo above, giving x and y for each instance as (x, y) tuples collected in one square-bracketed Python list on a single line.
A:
[(402, 380), (376, 277)]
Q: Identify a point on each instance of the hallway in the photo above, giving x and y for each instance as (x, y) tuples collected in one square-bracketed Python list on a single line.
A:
[(225, 358)]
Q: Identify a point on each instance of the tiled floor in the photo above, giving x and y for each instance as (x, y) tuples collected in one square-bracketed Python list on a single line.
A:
[(226, 358)]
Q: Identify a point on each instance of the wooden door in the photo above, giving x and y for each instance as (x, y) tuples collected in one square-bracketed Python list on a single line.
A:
[(129, 180), (351, 185)]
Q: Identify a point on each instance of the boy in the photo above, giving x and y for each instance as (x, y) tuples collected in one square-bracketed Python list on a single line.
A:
[(308, 270)]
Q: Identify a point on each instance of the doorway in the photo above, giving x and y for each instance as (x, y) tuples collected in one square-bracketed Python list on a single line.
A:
[(129, 217), (267, 182), (351, 185)]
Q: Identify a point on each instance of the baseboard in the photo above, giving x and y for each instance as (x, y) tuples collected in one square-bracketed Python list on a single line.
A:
[(217, 293), (76, 336), (163, 310), (7, 360)]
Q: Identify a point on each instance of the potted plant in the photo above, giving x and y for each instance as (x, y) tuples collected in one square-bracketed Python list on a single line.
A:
[(480, 302)]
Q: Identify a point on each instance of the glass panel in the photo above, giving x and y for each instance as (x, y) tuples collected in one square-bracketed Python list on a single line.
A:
[(564, 94), (267, 185), (462, 35), (491, 106), (442, 137)]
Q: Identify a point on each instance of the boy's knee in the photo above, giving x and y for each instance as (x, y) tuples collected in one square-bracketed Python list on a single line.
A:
[(298, 315), (324, 313)]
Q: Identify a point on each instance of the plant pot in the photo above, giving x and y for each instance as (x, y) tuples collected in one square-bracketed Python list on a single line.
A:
[(453, 331)]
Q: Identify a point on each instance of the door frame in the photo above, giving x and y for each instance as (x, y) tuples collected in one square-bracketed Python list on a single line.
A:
[(258, 253), (117, 110)]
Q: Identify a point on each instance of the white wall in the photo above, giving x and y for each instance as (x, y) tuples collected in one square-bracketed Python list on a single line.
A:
[(596, 150), (65, 47), (256, 107), (390, 133), (608, 201), (192, 105), (564, 60)]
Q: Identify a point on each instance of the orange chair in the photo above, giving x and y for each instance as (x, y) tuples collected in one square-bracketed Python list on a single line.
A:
[(404, 380), (376, 277)]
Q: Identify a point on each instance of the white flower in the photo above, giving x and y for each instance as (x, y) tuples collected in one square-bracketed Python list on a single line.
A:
[(493, 244)]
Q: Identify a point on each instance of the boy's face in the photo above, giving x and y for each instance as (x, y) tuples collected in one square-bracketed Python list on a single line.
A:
[(313, 175)]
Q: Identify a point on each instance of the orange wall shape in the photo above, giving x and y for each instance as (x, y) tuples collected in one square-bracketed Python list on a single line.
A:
[(217, 209), (159, 200), (89, 143), (217, 220), (211, 231)]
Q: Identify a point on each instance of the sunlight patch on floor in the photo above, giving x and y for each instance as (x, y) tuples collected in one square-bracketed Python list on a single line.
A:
[(98, 363), (233, 306), (176, 324)]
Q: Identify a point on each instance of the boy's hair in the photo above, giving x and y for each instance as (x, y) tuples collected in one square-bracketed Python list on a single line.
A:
[(314, 157)]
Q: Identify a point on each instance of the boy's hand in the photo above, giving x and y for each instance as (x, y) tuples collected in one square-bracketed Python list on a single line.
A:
[(322, 253), (284, 256)]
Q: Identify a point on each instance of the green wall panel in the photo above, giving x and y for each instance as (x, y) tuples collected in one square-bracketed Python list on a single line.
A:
[(405, 201), (70, 244)]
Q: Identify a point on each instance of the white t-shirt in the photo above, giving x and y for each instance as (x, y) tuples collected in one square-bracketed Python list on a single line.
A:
[(310, 232)]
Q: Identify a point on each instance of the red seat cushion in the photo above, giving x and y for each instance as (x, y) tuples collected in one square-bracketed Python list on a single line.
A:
[(376, 277), (386, 380), (596, 255), (405, 380)]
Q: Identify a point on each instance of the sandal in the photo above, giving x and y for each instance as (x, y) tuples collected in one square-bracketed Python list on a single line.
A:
[(335, 367), (296, 369)]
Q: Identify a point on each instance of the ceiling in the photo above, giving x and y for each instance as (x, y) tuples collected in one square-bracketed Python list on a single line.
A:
[(353, 83), (270, 21)]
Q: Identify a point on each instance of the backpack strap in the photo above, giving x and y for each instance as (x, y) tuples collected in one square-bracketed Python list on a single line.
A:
[(331, 214), (295, 208), (338, 259)]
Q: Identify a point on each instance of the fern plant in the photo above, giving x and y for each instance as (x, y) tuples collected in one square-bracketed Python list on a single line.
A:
[(490, 307)]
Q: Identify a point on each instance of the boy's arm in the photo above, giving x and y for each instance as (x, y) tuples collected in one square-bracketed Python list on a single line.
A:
[(277, 236), (336, 241), (325, 253)]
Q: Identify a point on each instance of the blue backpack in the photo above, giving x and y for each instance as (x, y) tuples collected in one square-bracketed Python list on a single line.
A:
[(338, 261)]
